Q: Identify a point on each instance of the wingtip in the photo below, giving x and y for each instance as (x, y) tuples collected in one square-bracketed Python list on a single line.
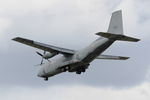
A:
[(14, 39), (138, 40), (17, 38), (124, 58)]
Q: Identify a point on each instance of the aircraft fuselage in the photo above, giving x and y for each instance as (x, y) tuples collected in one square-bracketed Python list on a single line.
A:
[(81, 59)]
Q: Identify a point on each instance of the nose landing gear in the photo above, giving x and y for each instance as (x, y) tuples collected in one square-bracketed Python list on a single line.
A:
[(46, 78)]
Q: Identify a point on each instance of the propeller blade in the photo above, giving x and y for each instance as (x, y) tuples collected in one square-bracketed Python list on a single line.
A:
[(44, 52), (39, 54), (48, 60), (41, 62)]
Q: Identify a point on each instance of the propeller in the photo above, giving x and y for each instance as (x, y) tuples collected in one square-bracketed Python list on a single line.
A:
[(41, 56)]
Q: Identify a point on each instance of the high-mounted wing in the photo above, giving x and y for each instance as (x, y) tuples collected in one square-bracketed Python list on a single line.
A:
[(44, 47), (109, 57)]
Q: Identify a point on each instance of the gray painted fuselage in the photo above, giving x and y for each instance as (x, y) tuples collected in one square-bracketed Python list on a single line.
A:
[(84, 57)]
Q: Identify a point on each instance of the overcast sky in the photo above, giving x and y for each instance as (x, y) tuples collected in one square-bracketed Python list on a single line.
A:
[(73, 24)]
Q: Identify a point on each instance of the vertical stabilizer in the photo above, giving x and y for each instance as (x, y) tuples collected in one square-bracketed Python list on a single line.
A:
[(116, 24), (115, 30)]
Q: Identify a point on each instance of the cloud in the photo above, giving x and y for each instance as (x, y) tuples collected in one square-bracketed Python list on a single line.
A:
[(74, 92), (4, 25), (17, 7), (135, 16)]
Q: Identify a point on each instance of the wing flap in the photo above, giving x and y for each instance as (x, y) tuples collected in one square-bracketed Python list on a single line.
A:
[(109, 57), (43, 46)]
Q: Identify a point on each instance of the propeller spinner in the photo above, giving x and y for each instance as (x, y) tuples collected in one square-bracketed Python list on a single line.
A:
[(46, 56), (42, 55)]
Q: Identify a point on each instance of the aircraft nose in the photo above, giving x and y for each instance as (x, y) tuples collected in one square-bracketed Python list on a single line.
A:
[(40, 74)]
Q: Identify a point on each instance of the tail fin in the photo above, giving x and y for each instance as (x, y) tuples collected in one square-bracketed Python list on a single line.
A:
[(116, 23), (115, 30)]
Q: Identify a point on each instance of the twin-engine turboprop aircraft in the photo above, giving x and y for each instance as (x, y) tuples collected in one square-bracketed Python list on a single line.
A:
[(79, 61)]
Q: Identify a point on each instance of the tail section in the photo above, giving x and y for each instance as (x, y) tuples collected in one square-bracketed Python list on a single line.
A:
[(115, 30), (116, 24)]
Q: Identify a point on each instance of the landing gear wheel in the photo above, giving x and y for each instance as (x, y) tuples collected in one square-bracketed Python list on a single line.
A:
[(78, 72), (83, 70), (65, 69), (46, 78)]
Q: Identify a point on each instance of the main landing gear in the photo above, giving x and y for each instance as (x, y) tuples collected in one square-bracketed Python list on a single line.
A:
[(46, 78), (80, 70)]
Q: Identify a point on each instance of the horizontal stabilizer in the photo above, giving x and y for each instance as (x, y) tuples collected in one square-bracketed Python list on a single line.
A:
[(117, 37), (109, 57)]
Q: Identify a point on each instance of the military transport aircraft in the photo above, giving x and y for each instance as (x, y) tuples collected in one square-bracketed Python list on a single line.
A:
[(79, 60)]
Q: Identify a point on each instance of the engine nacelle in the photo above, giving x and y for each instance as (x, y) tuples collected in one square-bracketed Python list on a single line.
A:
[(49, 55)]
